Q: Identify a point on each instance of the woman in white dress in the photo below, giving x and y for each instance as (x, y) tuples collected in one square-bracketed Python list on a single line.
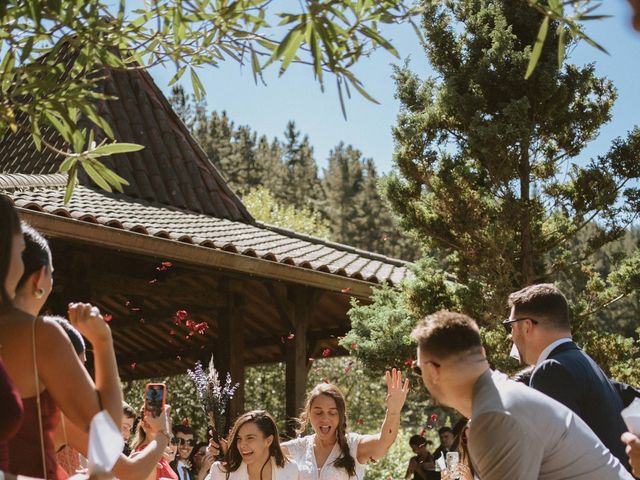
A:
[(254, 452), (331, 453)]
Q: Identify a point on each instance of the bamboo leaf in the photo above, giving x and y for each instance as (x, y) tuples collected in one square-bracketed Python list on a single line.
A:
[(95, 176), (114, 148), (537, 48), (72, 181)]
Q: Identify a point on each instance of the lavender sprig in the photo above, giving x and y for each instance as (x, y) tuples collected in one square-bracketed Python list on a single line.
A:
[(214, 397)]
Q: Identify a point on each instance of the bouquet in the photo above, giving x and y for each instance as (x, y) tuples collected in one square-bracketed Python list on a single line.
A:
[(214, 398)]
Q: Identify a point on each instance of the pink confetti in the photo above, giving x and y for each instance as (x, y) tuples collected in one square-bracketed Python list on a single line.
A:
[(326, 352), (153, 282), (345, 290), (167, 264), (133, 365), (291, 336), (434, 417), (107, 317)]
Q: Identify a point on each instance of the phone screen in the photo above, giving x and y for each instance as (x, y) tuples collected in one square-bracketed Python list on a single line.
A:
[(154, 398)]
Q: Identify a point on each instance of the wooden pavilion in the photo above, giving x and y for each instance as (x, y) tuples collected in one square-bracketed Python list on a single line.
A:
[(178, 239)]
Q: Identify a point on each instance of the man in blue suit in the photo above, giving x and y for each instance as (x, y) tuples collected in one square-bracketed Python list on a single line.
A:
[(541, 331)]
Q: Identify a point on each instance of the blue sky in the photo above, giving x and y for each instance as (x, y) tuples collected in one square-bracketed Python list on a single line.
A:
[(296, 96)]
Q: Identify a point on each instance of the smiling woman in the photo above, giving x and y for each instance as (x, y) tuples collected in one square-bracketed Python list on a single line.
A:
[(254, 451)]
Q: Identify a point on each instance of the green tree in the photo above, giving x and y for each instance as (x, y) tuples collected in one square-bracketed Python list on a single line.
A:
[(488, 173), (264, 207)]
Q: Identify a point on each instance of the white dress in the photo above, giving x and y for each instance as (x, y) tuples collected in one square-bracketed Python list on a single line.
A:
[(301, 452), (288, 472)]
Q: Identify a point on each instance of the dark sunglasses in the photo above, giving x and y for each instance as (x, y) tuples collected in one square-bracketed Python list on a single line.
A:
[(415, 368), (182, 441), (507, 323)]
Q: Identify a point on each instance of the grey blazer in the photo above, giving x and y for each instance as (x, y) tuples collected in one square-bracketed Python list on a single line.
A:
[(519, 433)]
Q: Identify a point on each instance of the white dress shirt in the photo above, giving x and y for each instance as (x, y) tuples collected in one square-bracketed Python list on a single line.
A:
[(547, 351)]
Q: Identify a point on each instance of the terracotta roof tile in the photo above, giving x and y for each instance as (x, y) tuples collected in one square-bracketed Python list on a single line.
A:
[(153, 218)]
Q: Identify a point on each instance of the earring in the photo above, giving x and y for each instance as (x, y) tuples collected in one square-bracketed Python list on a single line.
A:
[(39, 293)]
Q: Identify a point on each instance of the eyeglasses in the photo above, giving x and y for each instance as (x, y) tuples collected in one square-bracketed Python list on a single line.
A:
[(418, 371), (507, 323), (182, 441)]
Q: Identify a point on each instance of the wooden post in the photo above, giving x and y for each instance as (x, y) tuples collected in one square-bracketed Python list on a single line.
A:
[(297, 357), (229, 351)]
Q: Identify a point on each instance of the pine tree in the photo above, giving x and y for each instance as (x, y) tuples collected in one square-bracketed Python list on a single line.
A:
[(488, 172), (301, 185)]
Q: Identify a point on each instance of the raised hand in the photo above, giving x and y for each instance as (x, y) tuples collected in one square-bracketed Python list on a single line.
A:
[(161, 423), (396, 391), (89, 322)]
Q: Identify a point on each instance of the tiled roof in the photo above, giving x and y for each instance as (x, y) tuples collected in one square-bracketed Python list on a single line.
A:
[(172, 169), (45, 193)]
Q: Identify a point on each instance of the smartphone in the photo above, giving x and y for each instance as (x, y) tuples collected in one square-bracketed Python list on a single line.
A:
[(155, 396), (452, 460)]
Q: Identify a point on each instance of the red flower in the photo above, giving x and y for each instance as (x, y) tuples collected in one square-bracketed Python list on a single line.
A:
[(346, 290), (107, 317), (434, 417), (181, 314), (408, 362), (326, 352), (190, 323), (201, 327)]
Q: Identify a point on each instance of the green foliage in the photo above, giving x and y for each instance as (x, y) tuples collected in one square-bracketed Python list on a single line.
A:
[(488, 177), (55, 52), (263, 206)]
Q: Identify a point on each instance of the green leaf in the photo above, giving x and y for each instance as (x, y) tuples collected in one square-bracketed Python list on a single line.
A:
[(114, 148), (95, 176), (537, 48), (178, 75), (198, 89), (109, 175), (72, 181), (67, 164), (562, 45)]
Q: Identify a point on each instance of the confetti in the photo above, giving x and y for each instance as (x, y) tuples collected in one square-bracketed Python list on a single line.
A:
[(172, 333), (291, 336), (201, 327), (181, 314), (107, 317), (153, 282), (408, 362), (167, 264), (133, 365), (326, 352), (434, 417), (311, 359), (142, 322), (345, 290), (178, 357)]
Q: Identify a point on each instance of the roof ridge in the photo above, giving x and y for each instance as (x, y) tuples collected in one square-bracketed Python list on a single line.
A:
[(339, 246), (11, 181)]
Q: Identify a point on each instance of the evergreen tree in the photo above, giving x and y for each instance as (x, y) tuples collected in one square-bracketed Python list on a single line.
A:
[(488, 174), (301, 184)]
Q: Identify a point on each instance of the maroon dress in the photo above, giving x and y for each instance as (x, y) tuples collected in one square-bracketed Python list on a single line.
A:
[(25, 454), (11, 411)]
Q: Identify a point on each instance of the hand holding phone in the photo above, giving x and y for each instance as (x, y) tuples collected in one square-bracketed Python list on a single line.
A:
[(155, 397)]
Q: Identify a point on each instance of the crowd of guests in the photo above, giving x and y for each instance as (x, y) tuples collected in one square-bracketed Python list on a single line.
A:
[(559, 420)]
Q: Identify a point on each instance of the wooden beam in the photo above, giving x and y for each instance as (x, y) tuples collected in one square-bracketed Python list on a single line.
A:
[(113, 238), (297, 357)]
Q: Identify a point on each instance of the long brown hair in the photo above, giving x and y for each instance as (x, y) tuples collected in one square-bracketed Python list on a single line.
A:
[(345, 460), (9, 226), (267, 425)]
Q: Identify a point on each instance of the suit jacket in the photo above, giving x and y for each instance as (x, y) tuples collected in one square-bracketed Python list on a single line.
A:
[(175, 466), (571, 377), (517, 433)]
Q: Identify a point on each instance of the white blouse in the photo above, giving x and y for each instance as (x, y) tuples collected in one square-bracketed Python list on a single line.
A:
[(288, 472), (301, 451)]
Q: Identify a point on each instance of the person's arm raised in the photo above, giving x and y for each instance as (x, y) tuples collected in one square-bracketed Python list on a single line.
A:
[(90, 323), (373, 447)]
